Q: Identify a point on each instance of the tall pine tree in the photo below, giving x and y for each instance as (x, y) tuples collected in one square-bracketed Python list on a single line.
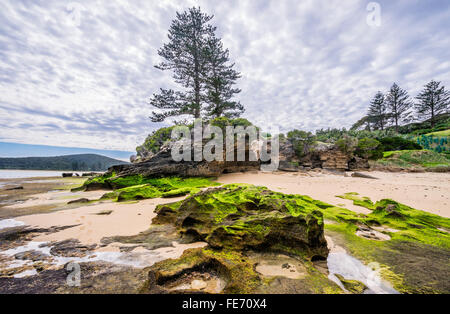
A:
[(398, 105), (184, 55), (220, 81), (377, 114), (433, 100)]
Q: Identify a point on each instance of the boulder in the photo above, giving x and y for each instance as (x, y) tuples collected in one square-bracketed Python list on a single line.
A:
[(288, 166), (81, 200), (358, 163), (363, 175), (353, 286), (249, 217)]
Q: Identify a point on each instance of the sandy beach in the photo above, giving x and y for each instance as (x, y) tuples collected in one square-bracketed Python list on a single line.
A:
[(92, 224), (97, 226), (426, 191)]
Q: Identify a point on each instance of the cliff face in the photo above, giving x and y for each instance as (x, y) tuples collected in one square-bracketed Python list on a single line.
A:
[(323, 155)]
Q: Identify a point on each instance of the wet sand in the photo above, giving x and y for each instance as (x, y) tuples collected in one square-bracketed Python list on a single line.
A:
[(125, 219), (425, 191)]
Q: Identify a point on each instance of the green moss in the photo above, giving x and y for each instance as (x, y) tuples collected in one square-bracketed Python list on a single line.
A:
[(239, 216), (137, 192), (354, 286), (180, 192), (358, 200), (412, 224), (139, 187), (230, 265), (419, 240)]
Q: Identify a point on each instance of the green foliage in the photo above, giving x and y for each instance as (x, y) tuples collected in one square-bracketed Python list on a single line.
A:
[(378, 115), (201, 67), (369, 148), (347, 144), (415, 158), (301, 141), (442, 123), (398, 143), (332, 135), (433, 100), (154, 141), (223, 122)]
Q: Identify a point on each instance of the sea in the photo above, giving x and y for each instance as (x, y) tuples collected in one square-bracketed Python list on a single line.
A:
[(18, 174)]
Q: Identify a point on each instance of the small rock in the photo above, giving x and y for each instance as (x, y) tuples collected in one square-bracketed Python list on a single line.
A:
[(15, 188), (286, 266), (362, 175), (80, 200)]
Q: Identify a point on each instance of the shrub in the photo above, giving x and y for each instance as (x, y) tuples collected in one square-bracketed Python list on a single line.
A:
[(347, 144), (398, 143), (301, 141), (154, 141), (369, 148)]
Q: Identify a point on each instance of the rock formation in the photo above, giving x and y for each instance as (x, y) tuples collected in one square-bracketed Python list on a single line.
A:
[(162, 164)]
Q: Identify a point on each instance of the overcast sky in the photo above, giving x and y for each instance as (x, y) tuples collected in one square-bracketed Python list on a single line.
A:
[(80, 73)]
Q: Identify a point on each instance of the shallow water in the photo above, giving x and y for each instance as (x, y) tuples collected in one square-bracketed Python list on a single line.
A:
[(9, 223), (139, 259), (20, 174), (351, 268), (13, 174)]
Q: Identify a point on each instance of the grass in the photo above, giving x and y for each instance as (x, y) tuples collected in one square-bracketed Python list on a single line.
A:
[(414, 159), (440, 133)]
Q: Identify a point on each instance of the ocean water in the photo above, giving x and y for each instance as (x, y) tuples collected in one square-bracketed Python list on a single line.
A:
[(18, 174)]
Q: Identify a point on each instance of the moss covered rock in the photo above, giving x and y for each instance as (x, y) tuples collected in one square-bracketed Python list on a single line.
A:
[(139, 187), (353, 286), (248, 217)]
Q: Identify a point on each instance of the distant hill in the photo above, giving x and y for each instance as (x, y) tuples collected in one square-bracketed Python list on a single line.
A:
[(82, 162)]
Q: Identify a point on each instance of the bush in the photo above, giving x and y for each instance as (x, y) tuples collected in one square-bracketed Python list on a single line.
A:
[(398, 143), (223, 122), (154, 141), (369, 148), (301, 141), (347, 144)]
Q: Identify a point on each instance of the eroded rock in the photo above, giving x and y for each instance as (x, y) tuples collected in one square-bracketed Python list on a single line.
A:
[(243, 217)]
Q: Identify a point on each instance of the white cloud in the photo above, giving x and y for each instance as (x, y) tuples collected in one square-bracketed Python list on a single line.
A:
[(84, 80)]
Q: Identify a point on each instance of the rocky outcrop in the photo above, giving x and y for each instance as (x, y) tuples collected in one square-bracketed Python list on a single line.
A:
[(321, 155), (162, 164), (242, 225), (334, 159), (358, 163)]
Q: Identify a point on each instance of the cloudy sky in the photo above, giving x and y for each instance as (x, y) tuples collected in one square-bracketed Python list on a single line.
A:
[(80, 73)]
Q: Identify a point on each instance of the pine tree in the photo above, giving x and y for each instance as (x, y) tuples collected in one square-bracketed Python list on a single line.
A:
[(433, 100), (219, 82), (184, 55), (398, 105), (377, 114)]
